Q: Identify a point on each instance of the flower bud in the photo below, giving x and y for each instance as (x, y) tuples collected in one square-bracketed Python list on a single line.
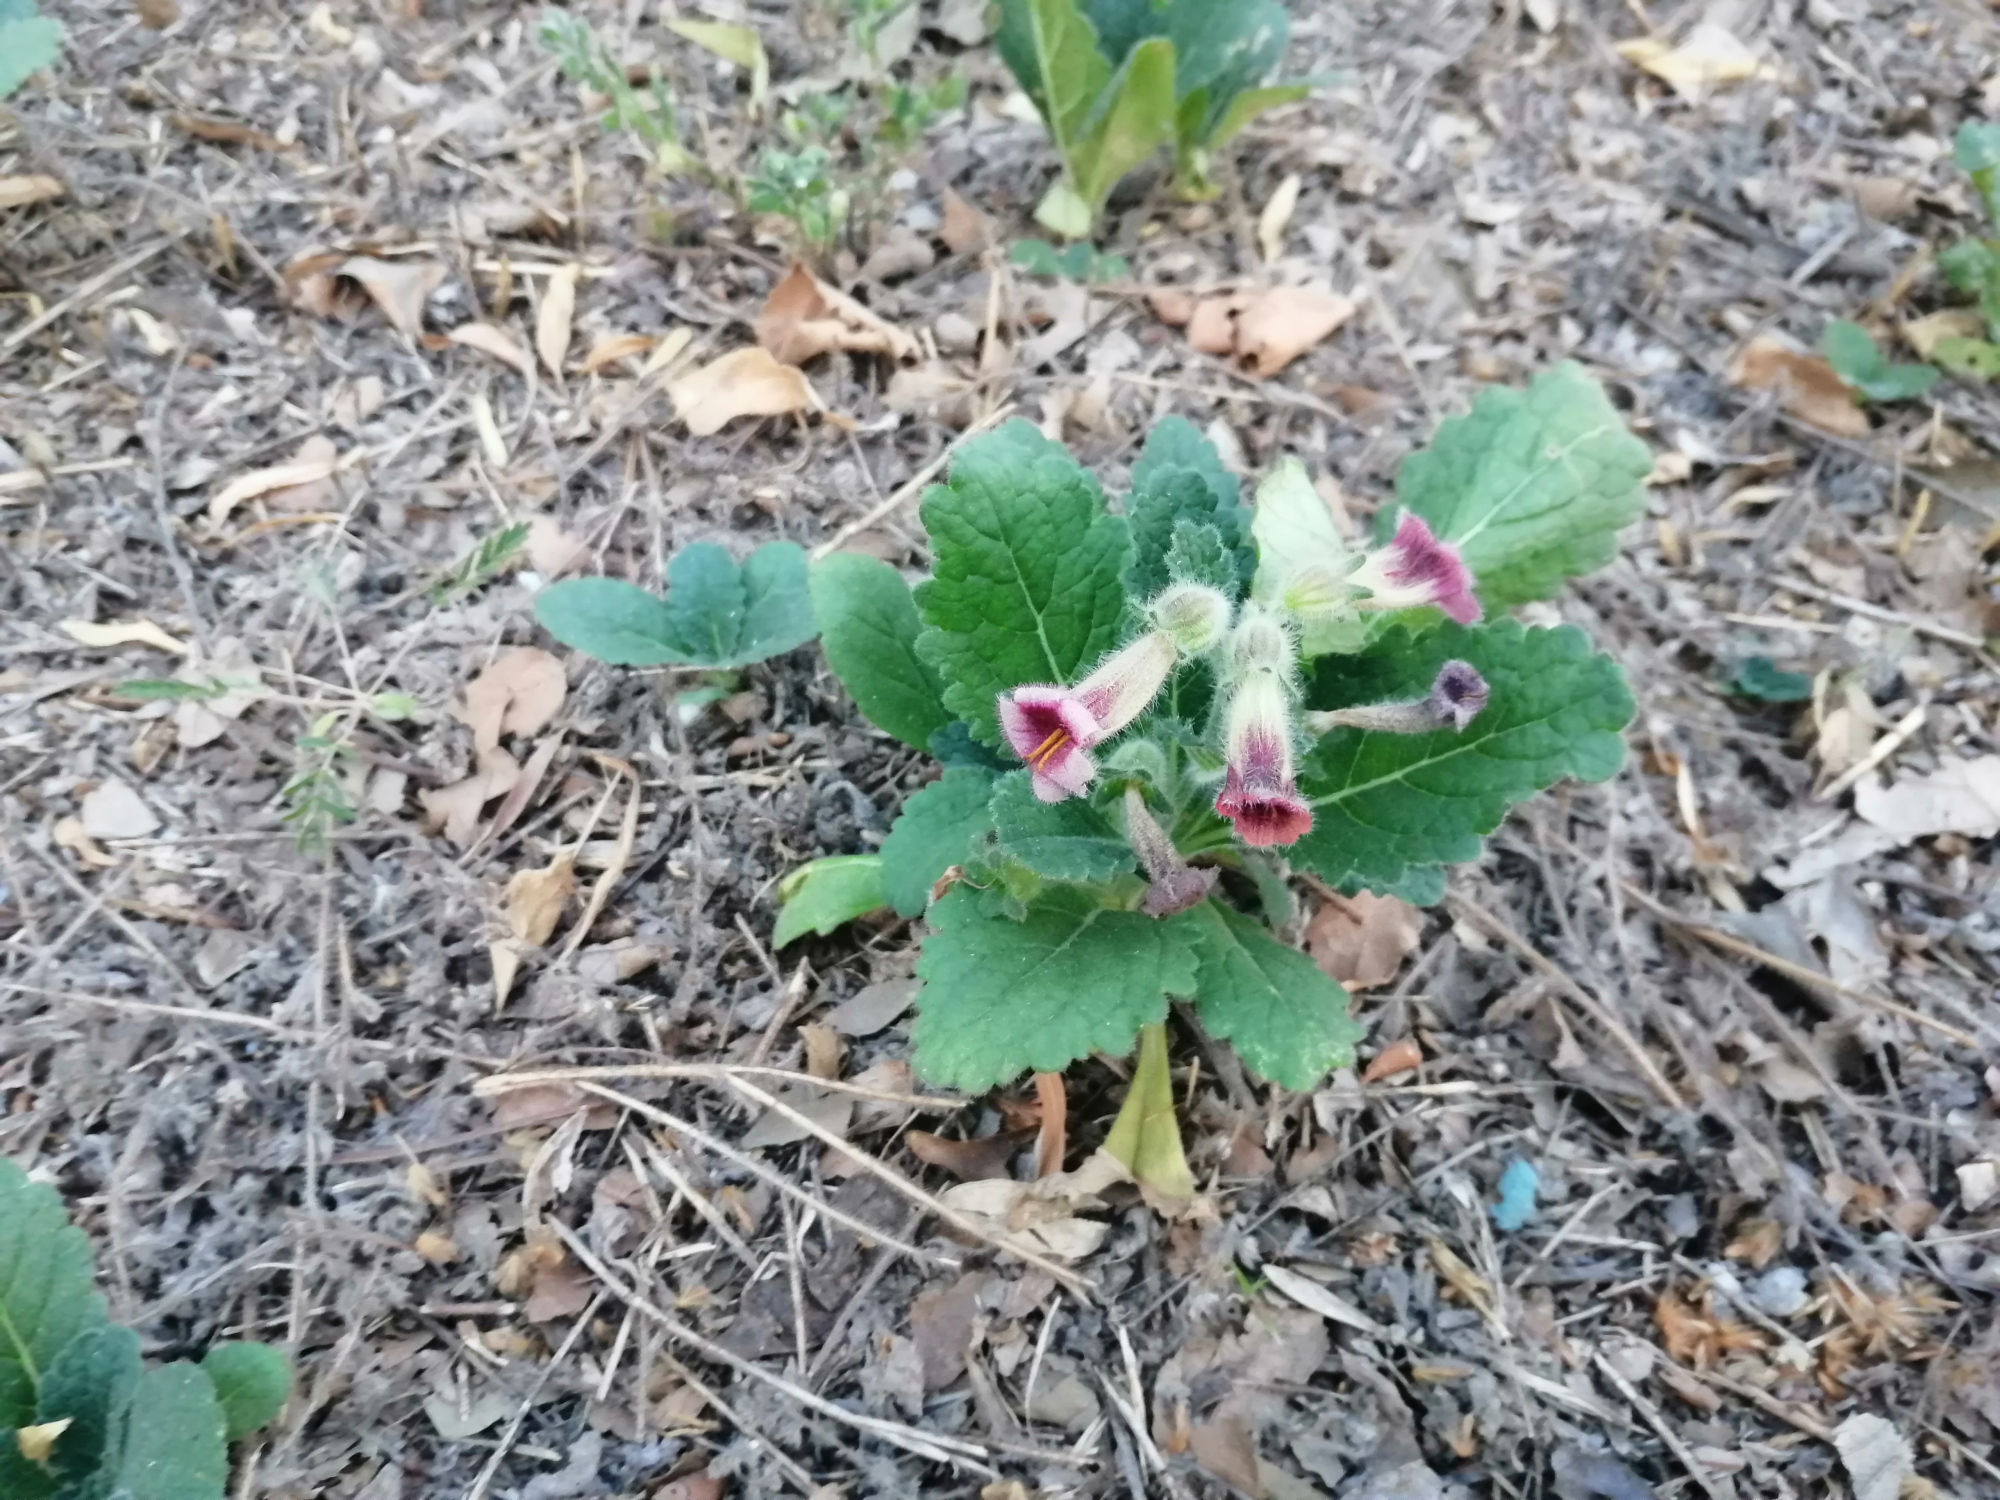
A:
[(1194, 614), (1457, 695), (1259, 643)]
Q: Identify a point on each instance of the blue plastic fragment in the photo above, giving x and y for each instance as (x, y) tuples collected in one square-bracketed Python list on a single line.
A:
[(1517, 1196)]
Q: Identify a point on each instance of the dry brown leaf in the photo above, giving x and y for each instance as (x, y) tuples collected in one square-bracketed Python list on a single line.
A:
[(112, 810), (1399, 1056), (400, 288), (157, 15), (1805, 383), (561, 1291), (552, 551), (1960, 796), (227, 132), (1277, 216), (18, 192), (550, 1103), (1040, 1216), (1360, 941), (455, 808), (313, 282), (487, 338), (1694, 1337), (1925, 334), (804, 317), (1756, 1240), (901, 252), (315, 465), (69, 834), (1172, 306), (1261, 332), (979, 1160), (517, 694), (745, 383), (316, 452), (1225, 1449), (823, 1049), (965, 230), (556, 317), (608, 351), (122, 633), (1711, 55), (436, 1247), (536, 898)]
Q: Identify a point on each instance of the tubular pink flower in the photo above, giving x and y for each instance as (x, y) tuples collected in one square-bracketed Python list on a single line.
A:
[(1258, 793), (1415, 569), (1052, 728)]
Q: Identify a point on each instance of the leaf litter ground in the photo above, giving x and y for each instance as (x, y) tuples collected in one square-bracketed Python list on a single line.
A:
[(1735, 1030)]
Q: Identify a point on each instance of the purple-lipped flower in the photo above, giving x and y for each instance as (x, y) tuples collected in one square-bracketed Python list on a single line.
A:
[(1416, 569), (1053, 728)]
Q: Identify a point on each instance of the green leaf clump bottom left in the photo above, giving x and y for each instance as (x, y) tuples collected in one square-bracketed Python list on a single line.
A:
[(133, 1433)]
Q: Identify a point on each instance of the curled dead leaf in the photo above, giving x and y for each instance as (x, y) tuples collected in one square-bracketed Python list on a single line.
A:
[(1041, 1216), (1805, 384), (979, 1160), (1399, 1056), (804, 317), (313, 466), (609, 351), (400, 288), (552, 551), (487, 338), (536, 898), (965, 230), (18, 192), (555, 318), (519, 693), (1926, 333), (122, 633), (455, 809), (745, 383), (1360, 941), (1261, 332), (1710, 55)]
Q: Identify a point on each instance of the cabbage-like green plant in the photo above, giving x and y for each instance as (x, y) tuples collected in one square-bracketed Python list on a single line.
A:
[(82, 1417)]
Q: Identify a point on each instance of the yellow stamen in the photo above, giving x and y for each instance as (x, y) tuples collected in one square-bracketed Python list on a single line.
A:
[(1049, 748)]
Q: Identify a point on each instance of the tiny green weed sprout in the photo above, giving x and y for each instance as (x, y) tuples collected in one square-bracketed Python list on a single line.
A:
[(1972, 266), (800, 186), (1146, 716), (1074, 262), (315, 799), (29, 42), (1859, 361), (489, 558), (648, 117), (1116, 79), (82, 1416)]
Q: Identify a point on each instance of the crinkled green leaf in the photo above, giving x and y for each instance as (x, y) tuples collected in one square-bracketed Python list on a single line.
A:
[(1974, 359), (174, 1445), (1532, 485), (1198, 554), (1027, 564), (91, 1383), (1071, 978), (868, 626), (46, 1298), (1860, 363), (252, 1383), (1285, 1018), (1420, 885), (1385, 802), (28, 43), (1180, 480), (825, 893), (1976, 150), (935, 830), (1222, 51), (1068, 840), (715, 614), (1760, 677)]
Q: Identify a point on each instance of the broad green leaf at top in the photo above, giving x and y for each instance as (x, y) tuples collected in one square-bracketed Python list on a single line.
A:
[(1180, 478), (46, 1293), (175, 1446), (1976, 150), (1531, 485), (28, 43), (1026, 586), (1384, 803), (868, 625), (1068, 840), (1002, 998), (824, 894), (936, 829), (715, 613)]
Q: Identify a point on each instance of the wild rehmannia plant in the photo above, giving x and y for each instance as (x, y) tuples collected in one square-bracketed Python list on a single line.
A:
[(1146, 715)]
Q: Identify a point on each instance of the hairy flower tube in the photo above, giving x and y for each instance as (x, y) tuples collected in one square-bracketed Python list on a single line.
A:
[(1258, 793), (1172, 885), (1416, 569), (1053, 728), (1195, 615), (1457, 695)]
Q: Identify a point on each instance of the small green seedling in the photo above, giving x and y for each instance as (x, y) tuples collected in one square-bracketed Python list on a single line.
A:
[(1139, 712), (715, 615), (491, 556), (1858, 361), (82, 1417), (649, 117), (315, 799), (800, 186), (1116, 79), (1972, 265), (29, 42), (1074, 262), (1760, 677)]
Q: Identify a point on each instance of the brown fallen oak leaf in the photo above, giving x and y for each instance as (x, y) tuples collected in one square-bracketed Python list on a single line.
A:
[(1260, 331), (804, 317), (745, 383), (1805, 385), (455, 809), (555, 318), (488, 338), (400, 288), (18, 192), (519, 693), (1360, 941), (307, 475), (536, 898), (609, 351), (980, 1160)]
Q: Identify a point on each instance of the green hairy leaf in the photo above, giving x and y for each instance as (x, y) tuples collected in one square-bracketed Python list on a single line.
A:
[(252, 1383), (1027, 572), (1072, 978), (1532, 485), (91, 1383), (1857, 361), (937, 829), (715, 614), (1180, 481), (1383, 803), (1057, 840), (826, 893), (868, 625), (1976, 150), (174, 1444), (1285, 1018), (46, 1297)]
